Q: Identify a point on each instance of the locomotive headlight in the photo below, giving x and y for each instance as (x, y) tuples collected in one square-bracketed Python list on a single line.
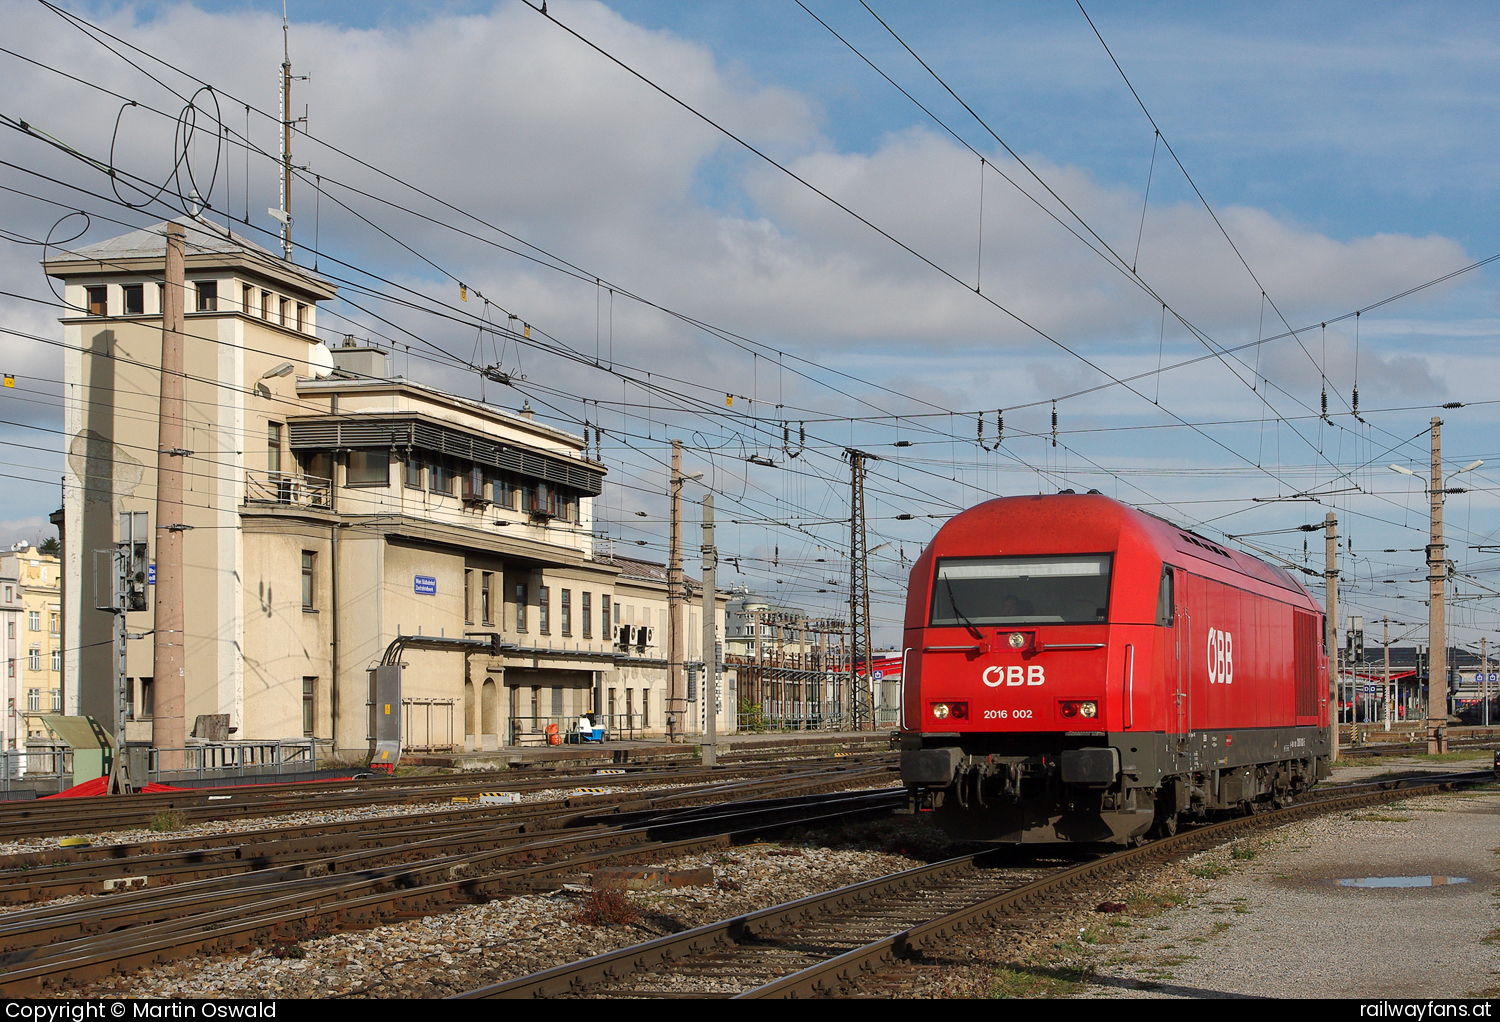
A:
[(1016, 640), (940, 711), (1088, 709)]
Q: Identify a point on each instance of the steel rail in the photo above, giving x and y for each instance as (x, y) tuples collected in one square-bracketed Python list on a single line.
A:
[(101, 813), (847, 969), (292, 908), (371, 840), (139, 906), (726, 935), (104, 812)]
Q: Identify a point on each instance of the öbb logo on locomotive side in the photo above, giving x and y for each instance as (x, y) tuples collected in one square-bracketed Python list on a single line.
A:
[(1014, 675), (1220, 657)]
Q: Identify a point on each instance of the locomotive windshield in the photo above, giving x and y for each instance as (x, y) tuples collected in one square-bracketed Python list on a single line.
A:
[(1021, 590)]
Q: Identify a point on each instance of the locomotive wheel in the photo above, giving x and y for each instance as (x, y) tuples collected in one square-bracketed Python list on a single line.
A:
[(1166, 816)]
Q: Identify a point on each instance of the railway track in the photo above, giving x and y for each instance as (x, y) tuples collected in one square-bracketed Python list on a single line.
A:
[(213, 900), (827, 944), (98, 814)]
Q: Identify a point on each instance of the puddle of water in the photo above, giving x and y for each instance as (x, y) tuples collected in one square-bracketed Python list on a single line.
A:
[(1425, 881)]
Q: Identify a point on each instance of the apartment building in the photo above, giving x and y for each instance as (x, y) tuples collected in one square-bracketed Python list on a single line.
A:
[(33, 639)]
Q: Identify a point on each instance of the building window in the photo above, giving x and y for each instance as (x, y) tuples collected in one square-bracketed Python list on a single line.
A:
[(98, 298), (8, 592), (247, 298), (309, 706), (645, 707), (265, 304), (208, 295), (484, 598), (148, 697), (500, 490), (557, 700), (521, 606), (468, 596), (135, 299), (282, 315), (57, 700), (472, 488), (34, 659), (301, 318), (57, 661), (588, 616), (56, 623), (369, 468), (318, 464), (411, 472), (273, 447), (440, 475), (10, 667), (33, 700), (34, 620), (308, 558), (543, 600), (567, 613)]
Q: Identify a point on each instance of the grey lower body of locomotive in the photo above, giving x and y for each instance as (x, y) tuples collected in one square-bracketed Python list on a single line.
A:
[(1115, 787)]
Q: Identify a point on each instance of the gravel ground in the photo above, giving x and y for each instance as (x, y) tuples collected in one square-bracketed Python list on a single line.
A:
[(1265, 917), (455, 951), (308, 818), (1237, 920)]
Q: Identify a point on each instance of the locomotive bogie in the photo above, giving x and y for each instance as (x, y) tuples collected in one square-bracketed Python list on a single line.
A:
[(1077, 670)]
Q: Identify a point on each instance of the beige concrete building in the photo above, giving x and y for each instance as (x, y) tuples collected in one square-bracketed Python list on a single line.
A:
[(333, 510)]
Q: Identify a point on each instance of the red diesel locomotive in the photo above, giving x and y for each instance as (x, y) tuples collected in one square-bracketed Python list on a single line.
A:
[(1078, 670)]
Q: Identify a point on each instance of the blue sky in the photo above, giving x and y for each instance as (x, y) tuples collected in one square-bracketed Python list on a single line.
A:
[(1349, 150)]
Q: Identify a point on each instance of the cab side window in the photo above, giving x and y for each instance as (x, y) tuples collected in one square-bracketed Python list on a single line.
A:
[(1164, 601)]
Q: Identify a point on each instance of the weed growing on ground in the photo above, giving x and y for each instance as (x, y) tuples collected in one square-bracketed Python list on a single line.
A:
[(607, 906), (1243, 852), (170, 819), (288, 949), (1098, 935), (1209, 871), (1153, 904), (1035, 981)]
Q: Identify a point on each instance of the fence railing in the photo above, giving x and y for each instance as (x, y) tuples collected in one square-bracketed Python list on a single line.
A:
[(533, 730), (756, 718), (235, 759), (431, 721), (288, 488), (36, 761)]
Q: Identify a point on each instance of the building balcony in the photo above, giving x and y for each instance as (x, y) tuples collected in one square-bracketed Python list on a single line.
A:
[(288, 490)]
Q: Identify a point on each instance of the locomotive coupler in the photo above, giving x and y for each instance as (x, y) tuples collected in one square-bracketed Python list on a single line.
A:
[(925, 800)]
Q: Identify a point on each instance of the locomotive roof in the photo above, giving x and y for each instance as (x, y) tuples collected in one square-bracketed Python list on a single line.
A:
[(1085, 523)]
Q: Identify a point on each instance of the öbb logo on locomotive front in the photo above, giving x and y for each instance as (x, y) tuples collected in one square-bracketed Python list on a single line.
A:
[(1014, 675)]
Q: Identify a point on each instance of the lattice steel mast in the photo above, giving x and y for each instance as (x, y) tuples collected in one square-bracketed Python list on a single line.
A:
[(860, 700)]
